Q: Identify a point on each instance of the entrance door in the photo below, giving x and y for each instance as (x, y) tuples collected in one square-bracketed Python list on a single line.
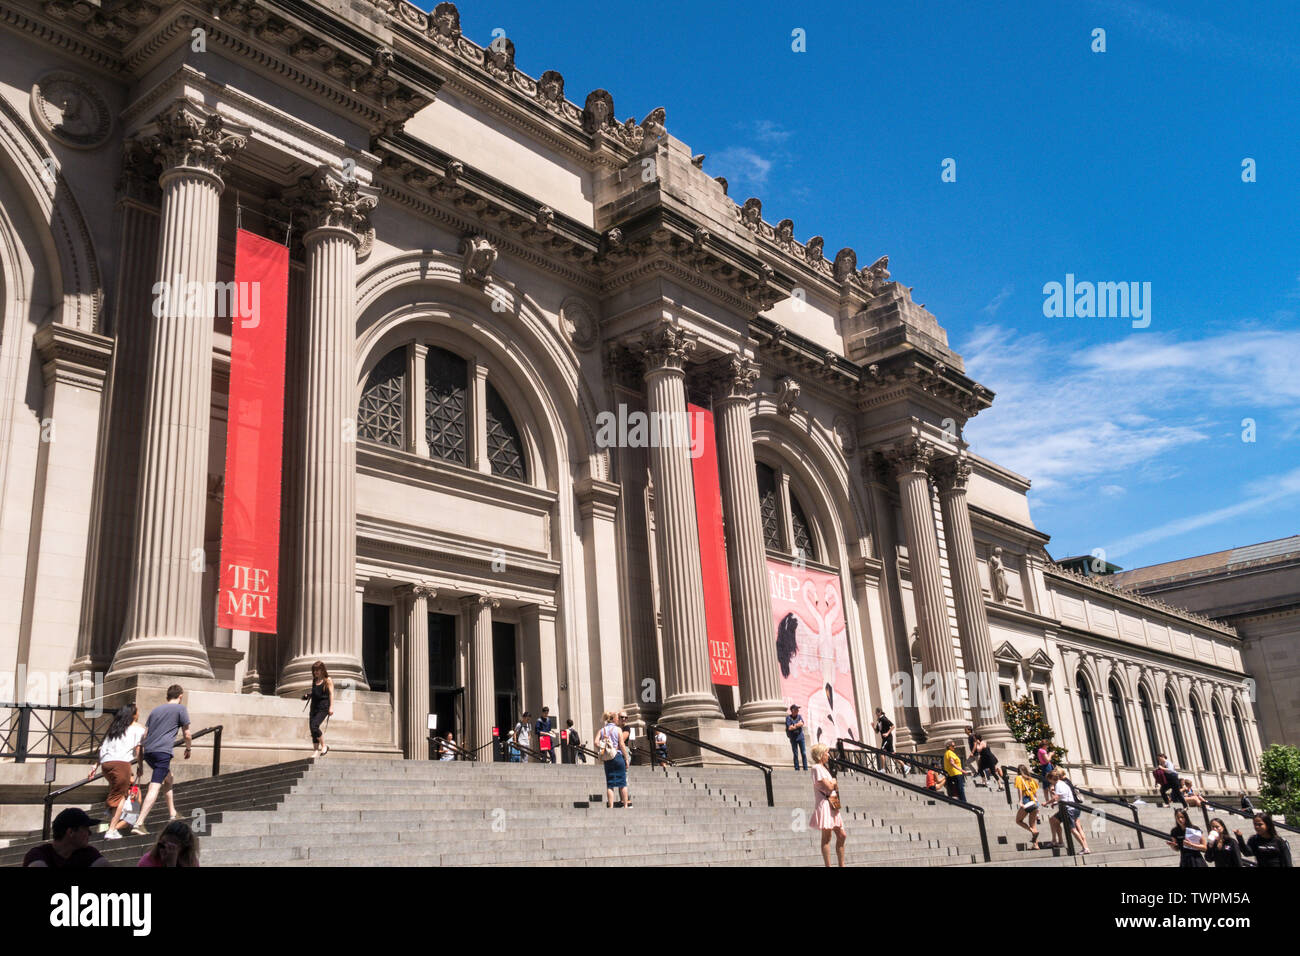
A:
[(504, 676), (445, 695)]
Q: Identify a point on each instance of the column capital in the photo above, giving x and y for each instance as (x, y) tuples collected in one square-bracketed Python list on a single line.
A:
[(732, 378), (189, 137), (911, 456), (666, 348), (327, 200), (951, 474), (474, 603), (414, 591)]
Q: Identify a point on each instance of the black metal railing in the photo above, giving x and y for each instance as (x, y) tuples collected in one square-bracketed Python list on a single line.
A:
[(54, 795), (51, 730), (1068, 825), (921, 763), (1114, 801), (894, 781), (1241, 812), (750, 761), (458, 752)]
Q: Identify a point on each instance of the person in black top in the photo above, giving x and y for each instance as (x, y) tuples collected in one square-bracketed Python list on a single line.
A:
[(1220, 848), (1269, 850), (1189, 852), (71, 847), (885, 728), (543, 726), (322, 706)]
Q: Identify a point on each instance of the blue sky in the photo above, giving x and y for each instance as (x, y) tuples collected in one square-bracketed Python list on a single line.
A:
[(1116, 166)]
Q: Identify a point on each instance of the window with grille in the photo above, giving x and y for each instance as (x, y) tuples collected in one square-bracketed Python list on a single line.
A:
[(1089, 718), (1144, 702), (803, 539), (1121, 724), (1177, 729), (768, 506), (505, 448), (1241, 739), (381, 414), (1199, 727), (1223, 738), (446, 406)]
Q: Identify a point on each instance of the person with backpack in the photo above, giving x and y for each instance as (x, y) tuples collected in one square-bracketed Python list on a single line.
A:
[(1167, 780), (612, 749), (521, 737), (1269, 850), (120, 749), (576, 752), (1066, 816)]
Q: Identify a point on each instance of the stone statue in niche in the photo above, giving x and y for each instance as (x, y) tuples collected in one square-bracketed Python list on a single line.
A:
[(997, 576)]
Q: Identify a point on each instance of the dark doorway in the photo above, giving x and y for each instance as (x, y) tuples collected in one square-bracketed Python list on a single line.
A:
[(504, 676), (375, 640), (446, 698)]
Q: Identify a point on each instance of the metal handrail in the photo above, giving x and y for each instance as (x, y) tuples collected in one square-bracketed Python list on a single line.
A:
[(1237, 811), (53, 795), (928, 794), (455, 747), (1119, 803), (922, 762), (21, 729), (767, 770), (1068, 827), (540, 755)]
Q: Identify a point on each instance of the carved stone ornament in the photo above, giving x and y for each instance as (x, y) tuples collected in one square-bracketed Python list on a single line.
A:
[(951, 474), (480, 257), (499, 58), (326, 200), (550, 90), (665, 347), (784, 233), (751, 214), (721, 181), (787, 396), (68, 108), (843, 429), (655, 132), (846, 264), (444, 25), (734, 377), (997, 576), (814, 250), (912, 456), (598, 113), (876, 276), (186, 135), (579, 324)]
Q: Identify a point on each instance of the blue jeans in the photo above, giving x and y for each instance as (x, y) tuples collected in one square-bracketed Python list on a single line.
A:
[(797, 748), (957, 787)]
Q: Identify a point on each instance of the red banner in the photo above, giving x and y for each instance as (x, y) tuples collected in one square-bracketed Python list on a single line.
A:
[(713, 548), (250, 517)]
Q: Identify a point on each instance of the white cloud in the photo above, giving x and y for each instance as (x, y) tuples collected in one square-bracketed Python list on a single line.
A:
[(992, 307), (770, 132), (740, 164)]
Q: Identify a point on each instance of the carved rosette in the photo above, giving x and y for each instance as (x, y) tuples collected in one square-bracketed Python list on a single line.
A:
[(666, 348), (733, 378), (69, 108), (951, 474), (326, 200), (912, 456), (579, 324), (187, 137)]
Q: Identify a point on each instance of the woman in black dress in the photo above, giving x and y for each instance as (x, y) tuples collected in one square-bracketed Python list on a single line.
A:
[(1220, 848), (1269, 850), (1189, 852), (322, 706)]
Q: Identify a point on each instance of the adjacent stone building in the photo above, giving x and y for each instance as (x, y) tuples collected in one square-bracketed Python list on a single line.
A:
[(484, 273)]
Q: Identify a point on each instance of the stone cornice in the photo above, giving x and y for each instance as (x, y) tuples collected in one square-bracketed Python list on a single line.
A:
[(982, 517), (409, 468), (1129, 597), (597, 498), (73, 356), (1085, 643)]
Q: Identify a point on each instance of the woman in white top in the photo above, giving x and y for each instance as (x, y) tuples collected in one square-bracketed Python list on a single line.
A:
[(1061, 790), (447, 749), (120, 748)]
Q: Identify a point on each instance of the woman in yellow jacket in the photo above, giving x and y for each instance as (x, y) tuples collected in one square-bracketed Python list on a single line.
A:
[(1027, 790)]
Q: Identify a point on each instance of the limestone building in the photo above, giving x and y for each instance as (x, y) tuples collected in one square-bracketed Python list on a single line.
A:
[(487, 271)]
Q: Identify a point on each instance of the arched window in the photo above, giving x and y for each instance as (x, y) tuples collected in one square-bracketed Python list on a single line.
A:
[(803, 539), (1089, 718), (1246, 762), (1199, 726), (1223, 738), (446, 408), (505, 448), (1121, 724), (769, 507), (1177, 729), (381, 415), (1148, 721)]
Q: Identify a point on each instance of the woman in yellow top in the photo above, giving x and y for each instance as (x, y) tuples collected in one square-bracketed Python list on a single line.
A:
[(1027, 789)]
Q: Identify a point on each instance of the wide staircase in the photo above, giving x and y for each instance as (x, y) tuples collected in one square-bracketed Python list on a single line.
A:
[(378, 812)]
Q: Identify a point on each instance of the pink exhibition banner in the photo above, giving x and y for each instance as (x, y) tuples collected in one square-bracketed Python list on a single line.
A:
[(812, 649)]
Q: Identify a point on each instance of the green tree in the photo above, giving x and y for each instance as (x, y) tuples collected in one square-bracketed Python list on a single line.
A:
[(1280, 780), (1029, 727)]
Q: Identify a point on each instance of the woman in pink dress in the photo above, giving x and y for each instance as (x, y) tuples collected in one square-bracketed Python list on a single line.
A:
[(825, 817)]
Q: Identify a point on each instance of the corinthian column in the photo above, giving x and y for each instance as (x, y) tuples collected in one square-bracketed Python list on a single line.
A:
[(912, 459), (413, 605), (325, 625), (476, 619), (761, 706), (163, 631), (689, 690), (951, 476)]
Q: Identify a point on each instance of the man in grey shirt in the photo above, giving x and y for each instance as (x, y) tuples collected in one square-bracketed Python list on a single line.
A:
[(157, 747)]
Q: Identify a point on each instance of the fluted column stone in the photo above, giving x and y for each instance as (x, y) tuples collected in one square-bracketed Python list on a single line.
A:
[(688, 694), (413, 606), (163, 622), (912, 458), (761, 705), (325, 625), (476, 618), (987, 716)]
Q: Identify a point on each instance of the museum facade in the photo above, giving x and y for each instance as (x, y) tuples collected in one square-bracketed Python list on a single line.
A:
[(516, 327)]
